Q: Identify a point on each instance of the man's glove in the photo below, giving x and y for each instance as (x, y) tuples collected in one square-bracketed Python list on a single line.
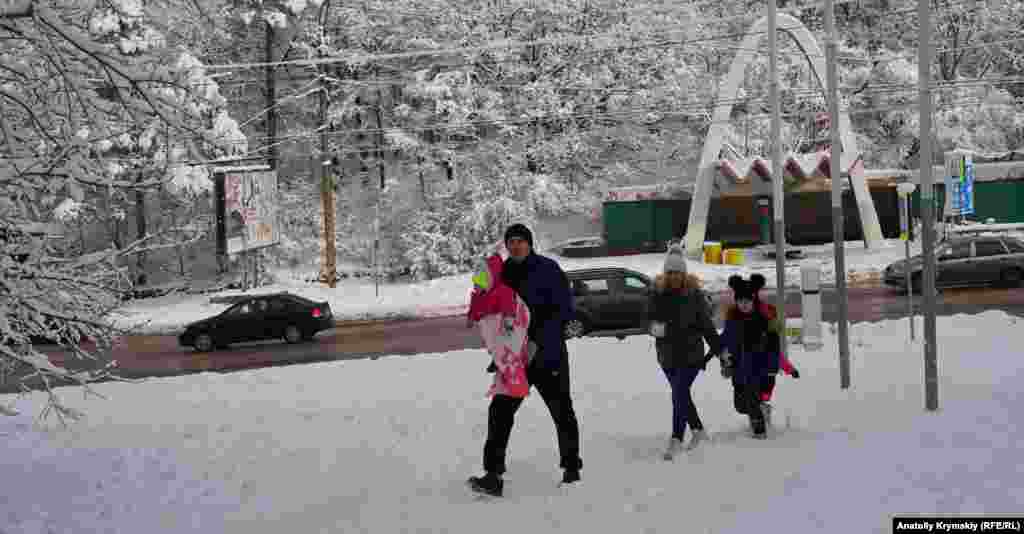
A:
[(795, 374), (492, 368), (726, 363), (657, 329)]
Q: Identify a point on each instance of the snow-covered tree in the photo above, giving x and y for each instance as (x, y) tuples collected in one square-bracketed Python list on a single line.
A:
[(91, 97)]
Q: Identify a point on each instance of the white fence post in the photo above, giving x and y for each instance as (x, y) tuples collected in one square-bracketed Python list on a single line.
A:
[(810, 286)]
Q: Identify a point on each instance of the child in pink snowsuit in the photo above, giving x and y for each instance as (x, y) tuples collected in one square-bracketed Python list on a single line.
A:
[(503, 318)]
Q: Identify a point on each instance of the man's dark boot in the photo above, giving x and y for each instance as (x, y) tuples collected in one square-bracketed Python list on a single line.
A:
[(489, 484), (571, 476)]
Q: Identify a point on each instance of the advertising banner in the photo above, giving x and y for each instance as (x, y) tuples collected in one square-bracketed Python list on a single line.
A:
[(250, 209)]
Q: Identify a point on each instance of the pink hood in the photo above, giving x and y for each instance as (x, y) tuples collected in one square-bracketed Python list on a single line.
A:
[(498, 299)]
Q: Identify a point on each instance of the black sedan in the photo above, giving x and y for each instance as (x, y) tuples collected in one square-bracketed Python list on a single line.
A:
[(965, 261), (260, 317)]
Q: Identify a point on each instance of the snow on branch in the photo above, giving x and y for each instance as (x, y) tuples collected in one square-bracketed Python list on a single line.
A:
[(93, 98)]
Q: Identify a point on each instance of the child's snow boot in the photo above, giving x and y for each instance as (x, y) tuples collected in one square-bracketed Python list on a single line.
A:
[(766, 410), (698, 437)]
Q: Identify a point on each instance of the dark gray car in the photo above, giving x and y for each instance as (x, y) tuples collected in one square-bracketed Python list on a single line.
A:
[(965, 261), (610, 301)]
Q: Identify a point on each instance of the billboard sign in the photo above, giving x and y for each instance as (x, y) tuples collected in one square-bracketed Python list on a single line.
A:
[(959, 182), (251, 218)]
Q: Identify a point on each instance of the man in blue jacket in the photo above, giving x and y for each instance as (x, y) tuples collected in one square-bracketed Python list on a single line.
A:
[(544, 287)]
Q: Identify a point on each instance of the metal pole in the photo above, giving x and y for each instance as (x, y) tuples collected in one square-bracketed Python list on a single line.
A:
[(904, 190), (776, 150), (271, 81), (836, 172), (924, 63), (376, 246), (910, 293)]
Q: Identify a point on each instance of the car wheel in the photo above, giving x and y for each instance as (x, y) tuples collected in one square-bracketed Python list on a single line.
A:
[(1011, 277), (575, 328), (204, 343), (292, 334)]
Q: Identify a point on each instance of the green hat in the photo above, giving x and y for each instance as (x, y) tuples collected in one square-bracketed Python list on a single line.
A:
[(482, 279)]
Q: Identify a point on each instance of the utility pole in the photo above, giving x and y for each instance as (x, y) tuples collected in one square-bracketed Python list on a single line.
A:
[(328, 267), (835, 171), (776, 150), (271, 95), (924, 64)]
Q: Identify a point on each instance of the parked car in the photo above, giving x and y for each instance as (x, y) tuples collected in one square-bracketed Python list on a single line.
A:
[(610, 301), (965, 261), (582, 247), (260, 317)]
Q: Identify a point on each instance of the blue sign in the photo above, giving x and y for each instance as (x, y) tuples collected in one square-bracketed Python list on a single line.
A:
[(960, 185), (967, 189)]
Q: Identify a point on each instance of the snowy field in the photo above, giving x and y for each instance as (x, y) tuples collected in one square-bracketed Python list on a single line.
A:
[(386, 445), (355, 299)]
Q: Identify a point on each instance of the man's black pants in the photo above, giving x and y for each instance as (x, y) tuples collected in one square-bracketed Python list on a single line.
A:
[(554, 389)]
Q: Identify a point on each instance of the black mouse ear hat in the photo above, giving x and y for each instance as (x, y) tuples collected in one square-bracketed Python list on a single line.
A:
[(746, 289)]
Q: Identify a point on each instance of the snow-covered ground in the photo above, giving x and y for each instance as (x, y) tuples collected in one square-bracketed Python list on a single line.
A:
[(386, 445), (355, 299)]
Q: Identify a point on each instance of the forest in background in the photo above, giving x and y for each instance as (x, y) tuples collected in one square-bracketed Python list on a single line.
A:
[(439, 121)]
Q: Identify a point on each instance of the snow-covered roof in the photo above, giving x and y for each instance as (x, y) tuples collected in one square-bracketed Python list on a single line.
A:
[(983, 172)]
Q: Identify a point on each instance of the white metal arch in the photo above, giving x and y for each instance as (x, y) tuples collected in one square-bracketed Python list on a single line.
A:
[(697, 226)]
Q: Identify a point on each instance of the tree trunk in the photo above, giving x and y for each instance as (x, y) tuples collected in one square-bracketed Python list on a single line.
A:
[(380, 135), (140, 222)]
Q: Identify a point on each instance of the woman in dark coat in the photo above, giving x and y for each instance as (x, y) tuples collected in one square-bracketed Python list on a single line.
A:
[(751, 347), (680, 316)]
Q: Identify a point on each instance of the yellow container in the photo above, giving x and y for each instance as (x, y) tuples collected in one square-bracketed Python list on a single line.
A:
[(712, 252), (733, 256)]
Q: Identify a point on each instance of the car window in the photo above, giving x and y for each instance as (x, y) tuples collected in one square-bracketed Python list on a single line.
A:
[(635, 285), (597, 286), (278, 305), (989, 248), (1016, 247), (241, 309), (260, 305), (957, 251)]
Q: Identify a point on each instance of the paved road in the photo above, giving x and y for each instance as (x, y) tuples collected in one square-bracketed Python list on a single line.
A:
[(140, 356)]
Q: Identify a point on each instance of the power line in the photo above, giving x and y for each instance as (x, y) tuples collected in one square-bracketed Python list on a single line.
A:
[(621, 115), (366, 58), (615, 115), (654, 44)]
